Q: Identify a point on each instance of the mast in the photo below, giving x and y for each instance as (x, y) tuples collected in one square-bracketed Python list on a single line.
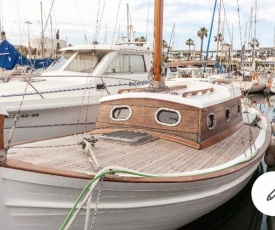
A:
[(29, 40), (218, 35), (158, 28), (128, 26), (42, 33), (52, 39), (1, 17), (254, 42), (207, 49)]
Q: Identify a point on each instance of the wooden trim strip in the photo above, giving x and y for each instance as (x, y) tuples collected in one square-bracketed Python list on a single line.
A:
[(220, 81), (195, 92), (153, 90)]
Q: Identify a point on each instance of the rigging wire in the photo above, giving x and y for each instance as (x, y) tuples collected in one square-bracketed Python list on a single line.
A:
[(169, 46), (85, 35), (225, 17), (113, 38), (98, 20), (44, 29), (147, 20), (238, 9), (131, 25)]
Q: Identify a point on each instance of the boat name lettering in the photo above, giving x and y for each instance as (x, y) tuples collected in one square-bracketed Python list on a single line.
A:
[(174, 93), (144, 82), (25, 115)]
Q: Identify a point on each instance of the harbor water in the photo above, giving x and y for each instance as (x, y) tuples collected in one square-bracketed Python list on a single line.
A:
[(240, 213)]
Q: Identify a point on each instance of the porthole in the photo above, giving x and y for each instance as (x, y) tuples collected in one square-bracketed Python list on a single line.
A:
[(228, 114), (239, 109), (211, 121), (121, 113), (169, 117)]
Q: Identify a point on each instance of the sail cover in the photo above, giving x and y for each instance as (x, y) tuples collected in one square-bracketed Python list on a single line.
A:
[(10, 57)]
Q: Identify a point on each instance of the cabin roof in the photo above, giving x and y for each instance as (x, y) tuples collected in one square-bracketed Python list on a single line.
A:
[(218, 94), (105, 47)]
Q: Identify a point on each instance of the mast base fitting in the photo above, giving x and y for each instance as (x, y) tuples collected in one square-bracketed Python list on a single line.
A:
[(156, 84)]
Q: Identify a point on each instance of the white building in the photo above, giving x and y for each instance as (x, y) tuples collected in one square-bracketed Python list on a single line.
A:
[(51, 46)]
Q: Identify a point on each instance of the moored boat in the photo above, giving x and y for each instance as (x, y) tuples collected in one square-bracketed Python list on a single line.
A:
[(65, 98), (159, 157)]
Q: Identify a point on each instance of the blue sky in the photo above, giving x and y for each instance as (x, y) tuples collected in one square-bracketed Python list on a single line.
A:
[(77, 20)]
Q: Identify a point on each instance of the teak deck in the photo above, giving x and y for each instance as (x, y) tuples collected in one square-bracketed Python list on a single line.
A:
[(158, 156)]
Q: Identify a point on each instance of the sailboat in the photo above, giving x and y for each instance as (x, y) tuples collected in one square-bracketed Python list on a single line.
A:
[(159, 157)]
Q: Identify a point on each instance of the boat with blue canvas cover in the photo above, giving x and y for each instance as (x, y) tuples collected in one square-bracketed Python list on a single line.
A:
[(10, 59)]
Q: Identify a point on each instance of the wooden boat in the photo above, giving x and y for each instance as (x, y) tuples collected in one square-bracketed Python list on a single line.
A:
[(159, 158)]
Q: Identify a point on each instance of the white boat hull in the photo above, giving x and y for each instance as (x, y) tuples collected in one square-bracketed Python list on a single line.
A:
[(32, 200), (251, 87), (41, 123), (57, 113)]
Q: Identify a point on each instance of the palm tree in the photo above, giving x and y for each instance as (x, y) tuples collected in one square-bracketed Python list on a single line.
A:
[(219, 38), (257, 44), (189, 42), (140, 39), (95, 42), (164, 45), (202, 33)]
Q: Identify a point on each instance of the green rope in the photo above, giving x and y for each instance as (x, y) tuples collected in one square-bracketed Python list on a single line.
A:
[(125, 172), (89, 184)]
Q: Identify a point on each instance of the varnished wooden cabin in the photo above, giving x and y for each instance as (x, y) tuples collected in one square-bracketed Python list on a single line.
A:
[(183, 115)]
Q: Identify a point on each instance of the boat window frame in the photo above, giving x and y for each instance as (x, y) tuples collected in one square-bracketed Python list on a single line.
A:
[(239, 109), (214, 121), (120, 106), (129, 54), (230, 114), (167, 109)]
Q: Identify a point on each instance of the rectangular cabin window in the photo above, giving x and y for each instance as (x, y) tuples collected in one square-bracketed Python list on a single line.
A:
[(83, 62), (59, 62), (127, 63)]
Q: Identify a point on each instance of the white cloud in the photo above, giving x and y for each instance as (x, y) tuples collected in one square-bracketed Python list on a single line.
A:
[(77, 19)]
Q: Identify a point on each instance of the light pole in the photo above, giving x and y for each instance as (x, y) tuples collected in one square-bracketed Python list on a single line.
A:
[(29, 43)]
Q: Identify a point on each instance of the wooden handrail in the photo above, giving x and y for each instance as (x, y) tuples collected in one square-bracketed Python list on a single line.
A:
[(195, 92), (153, 90), (220, 81)]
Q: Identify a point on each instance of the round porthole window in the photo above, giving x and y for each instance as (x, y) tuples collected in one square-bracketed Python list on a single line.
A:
[(121, 113), (211, 121), (228, 114), (239, 109), (169, 117)]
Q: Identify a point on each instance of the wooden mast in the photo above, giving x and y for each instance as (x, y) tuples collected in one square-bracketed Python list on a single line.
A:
[(158, 25)]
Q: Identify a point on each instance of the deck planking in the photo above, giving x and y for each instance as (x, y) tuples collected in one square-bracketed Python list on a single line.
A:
[(158, 156)]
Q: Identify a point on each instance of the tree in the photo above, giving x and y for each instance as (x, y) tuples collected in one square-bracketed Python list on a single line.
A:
[(165, 45), (257, 44), (202, 33), (95, 42), (140, 39), (219, 38), (189, 42)]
